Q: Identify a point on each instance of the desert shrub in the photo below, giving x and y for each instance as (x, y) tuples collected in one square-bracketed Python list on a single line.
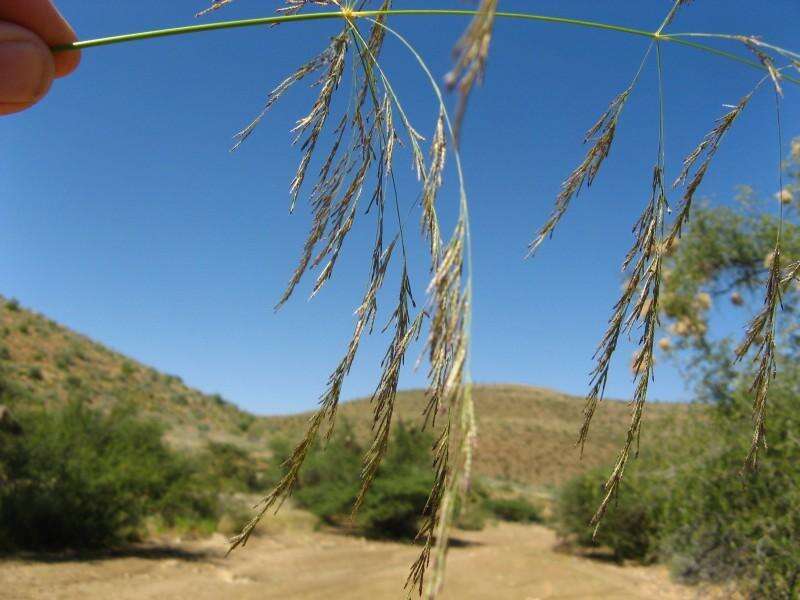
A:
[(35, 373), (230, 467), (329, 482), (245, 421), (399, 493), (12, 305), (518, 509), (327, 486), (82, 479), (723, 525), (631, 526), (64, 360), (127, 369), (73, 381), (704, 517)]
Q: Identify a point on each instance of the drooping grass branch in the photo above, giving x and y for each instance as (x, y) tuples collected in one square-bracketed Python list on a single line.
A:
[(761, 331), (448, 345), (357, 153)]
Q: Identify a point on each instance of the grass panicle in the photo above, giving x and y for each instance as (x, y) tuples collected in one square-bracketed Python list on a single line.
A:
[(638, 306), (704, 153), (761, 330), (363, 142), (433, 181), (406, 330), (449, 390), (602, 135), (761, 335)]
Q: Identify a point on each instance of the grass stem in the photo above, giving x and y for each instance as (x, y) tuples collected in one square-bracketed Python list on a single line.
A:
[(419, 12)]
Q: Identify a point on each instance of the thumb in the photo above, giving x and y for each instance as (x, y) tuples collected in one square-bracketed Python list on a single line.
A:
[(26, 68)]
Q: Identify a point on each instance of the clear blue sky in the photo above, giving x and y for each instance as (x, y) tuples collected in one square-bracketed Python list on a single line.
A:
[(124, 216)]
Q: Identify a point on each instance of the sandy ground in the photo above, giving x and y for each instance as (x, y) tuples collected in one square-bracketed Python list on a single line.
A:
[(503, 561)]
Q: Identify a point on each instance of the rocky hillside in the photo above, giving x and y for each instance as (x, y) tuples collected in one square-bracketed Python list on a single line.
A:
[(526, 434), (45, 364)]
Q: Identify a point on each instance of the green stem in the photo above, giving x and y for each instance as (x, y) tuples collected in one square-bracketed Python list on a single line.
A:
[(273, 20)]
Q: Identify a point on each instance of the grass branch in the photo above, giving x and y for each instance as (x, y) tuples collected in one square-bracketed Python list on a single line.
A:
[(325, 15)]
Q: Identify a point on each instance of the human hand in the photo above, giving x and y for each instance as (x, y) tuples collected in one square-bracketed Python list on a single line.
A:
[(27, 67)]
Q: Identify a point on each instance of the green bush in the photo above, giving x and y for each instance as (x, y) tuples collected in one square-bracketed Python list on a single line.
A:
[(81, 479), (230, 468), (629, 528), (698, 512), (127, 369), (518, 510), (329, 482), (723, 525), (64, 360)]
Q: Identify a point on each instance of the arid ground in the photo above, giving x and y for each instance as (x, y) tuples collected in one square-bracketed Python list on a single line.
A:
[(502, 561)]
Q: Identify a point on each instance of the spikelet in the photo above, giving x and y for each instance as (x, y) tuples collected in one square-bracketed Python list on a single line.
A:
[(295, 6), (671, 15), (704, 153), (761, 334), (471, 53), (753, 44), (602, 134), (215, 5), (433, 181)]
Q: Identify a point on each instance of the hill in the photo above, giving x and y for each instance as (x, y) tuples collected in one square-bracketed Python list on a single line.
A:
[(44, 364), (525, 434)]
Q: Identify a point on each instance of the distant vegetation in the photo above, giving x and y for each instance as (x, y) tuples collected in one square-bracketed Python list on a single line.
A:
[(524, 430), (691, 508), (329, 483), (689, 500), (78, 477)]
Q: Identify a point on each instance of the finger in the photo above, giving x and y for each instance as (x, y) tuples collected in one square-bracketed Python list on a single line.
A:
[(26, 68), (41, 17)]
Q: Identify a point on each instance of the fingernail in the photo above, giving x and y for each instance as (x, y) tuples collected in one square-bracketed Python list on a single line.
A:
[(27, 69)]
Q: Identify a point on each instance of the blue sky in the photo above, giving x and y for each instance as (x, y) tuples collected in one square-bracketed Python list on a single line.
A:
[(125, 217)]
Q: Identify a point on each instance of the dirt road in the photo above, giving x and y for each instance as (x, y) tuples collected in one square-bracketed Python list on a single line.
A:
[(503, 561)]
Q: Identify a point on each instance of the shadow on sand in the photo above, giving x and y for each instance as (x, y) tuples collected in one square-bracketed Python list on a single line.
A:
[(144, 551)]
